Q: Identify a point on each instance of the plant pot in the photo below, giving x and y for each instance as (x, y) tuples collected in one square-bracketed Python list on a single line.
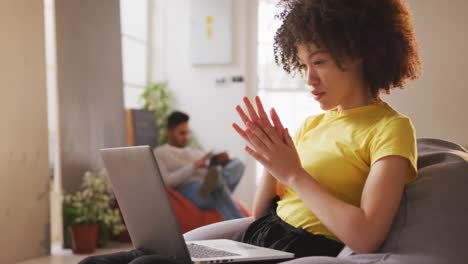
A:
[(84, 238)]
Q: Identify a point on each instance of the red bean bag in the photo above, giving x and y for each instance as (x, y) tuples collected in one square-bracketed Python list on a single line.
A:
[(190, 217)]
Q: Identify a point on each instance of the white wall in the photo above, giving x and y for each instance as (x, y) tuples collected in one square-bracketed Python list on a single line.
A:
[(211, 108), (24, 177), (437, 103)]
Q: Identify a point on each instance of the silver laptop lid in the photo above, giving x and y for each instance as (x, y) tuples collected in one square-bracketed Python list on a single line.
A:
[(140, 191)]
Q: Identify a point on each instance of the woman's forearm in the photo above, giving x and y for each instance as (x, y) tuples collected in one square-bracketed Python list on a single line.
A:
[(348, 222), (264, 194)]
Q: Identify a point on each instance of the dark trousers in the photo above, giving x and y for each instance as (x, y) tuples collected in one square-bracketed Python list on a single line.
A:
[(272, 232)]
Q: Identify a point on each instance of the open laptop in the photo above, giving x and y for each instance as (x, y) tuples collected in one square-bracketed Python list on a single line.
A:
[(140, 191)]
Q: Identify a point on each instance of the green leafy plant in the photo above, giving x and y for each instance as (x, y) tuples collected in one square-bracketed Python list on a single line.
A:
[(93, 204), (158, 99)]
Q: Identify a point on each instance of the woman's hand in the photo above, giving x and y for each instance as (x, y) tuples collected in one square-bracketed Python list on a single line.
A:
[(272, 145)]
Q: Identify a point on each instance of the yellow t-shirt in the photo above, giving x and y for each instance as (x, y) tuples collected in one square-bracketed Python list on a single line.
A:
[(338, 148)]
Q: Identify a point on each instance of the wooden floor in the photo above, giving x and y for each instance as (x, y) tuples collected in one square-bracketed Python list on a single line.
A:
[(65, 256)]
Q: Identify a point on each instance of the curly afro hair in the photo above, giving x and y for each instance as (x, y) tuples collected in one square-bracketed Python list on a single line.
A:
[(380, 32)]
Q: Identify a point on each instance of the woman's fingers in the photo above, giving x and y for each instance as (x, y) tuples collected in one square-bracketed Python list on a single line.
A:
[(256, 155), (261, 111), (276, 121), (274, 134), (260, 135), (269, 133), (242, 115), (252, 113), (240, 131), (288, 138), (258, 141)]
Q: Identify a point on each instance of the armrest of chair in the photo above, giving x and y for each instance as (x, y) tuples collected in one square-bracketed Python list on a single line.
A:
[(222, 230)]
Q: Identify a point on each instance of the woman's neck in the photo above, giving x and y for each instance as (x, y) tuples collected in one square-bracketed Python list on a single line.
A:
[(362, 98)]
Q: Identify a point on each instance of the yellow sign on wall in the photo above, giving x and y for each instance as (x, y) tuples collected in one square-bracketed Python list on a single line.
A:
[(211, 31)]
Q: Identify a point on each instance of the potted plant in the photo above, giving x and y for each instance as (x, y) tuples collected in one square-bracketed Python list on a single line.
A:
[(90, 213)]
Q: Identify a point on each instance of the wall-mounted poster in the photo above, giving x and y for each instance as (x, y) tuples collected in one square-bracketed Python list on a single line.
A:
[(211, 31)]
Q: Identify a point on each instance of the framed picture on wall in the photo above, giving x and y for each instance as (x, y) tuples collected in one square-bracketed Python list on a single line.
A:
[(210, 31)]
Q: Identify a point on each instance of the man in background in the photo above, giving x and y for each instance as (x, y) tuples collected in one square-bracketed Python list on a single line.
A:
[(205, 179)]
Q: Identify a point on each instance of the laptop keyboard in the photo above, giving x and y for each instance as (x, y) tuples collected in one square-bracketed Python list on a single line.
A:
[(199, 251)]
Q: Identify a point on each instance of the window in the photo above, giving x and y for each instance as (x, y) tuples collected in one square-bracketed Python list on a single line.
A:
[(135, 45), (289, 95), (51, 84)]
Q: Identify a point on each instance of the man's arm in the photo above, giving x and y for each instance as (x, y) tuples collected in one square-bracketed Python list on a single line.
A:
[(176, 177), (179, 176)]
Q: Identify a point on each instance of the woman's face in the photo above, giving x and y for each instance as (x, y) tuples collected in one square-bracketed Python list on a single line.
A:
[(330, 85)]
